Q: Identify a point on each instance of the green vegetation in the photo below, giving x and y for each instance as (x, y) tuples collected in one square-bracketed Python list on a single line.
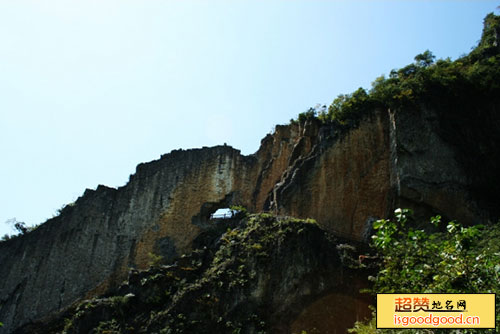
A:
[(458, 260), (444, 83), (155, 259), (20, 227), (207, 291), (238, 211)]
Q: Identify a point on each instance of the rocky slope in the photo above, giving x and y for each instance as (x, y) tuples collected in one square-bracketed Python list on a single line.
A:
[(254, 278), (343, 179), (439, 157)]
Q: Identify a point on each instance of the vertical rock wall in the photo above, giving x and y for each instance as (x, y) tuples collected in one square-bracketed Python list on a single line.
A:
[(343, 181), (92, 244), (342, 178), (428, 177)]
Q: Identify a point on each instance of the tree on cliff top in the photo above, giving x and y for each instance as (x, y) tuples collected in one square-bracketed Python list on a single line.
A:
[(443, 83)]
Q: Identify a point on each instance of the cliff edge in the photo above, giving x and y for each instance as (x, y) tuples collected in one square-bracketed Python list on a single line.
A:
[(438, 155)]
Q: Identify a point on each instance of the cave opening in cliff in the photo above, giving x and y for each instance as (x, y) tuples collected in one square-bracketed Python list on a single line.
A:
[(223, 213), (212, 212)]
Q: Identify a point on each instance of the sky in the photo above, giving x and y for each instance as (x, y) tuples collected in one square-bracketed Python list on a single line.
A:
[(91, 88)]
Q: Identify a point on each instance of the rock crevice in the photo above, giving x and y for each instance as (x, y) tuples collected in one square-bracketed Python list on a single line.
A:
[(342, 178)]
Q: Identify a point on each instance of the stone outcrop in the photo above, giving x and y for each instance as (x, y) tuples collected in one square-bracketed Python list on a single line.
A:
[(106, 231), (343, 178), (254, 279)]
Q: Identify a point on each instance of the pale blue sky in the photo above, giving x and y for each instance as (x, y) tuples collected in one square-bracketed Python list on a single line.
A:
[(91, 88)]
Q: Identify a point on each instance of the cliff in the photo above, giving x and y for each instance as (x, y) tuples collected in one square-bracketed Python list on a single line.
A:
[(435, 157), (254, 279), (343, 179)]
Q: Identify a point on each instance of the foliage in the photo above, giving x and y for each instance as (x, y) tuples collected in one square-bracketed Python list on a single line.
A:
[(459, 260), (20, 227), (368, 327), (346, 109), (238, 211), (312, 113), (460, 99), (306, 115), (425, 59), (155, 259), (63, 209), (490, 32), (208, 290), (443, 83)]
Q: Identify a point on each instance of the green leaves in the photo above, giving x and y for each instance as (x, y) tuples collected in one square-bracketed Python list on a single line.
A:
[(436, 220), (402, 215), (307, 115), (388, 232), (379, 223), (425, 59), (460, 260), (385, 233), (348, 109)]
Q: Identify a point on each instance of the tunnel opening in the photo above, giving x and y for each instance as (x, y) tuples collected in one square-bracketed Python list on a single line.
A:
[(223, 213), (214, 212), (214, 219)]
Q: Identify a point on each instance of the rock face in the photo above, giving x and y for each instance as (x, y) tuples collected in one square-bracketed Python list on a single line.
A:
[(254, 279), (343, 178)]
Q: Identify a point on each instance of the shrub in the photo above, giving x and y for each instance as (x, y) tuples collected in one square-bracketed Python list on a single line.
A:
[(460, 260), (155, 259), (452, 86)]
